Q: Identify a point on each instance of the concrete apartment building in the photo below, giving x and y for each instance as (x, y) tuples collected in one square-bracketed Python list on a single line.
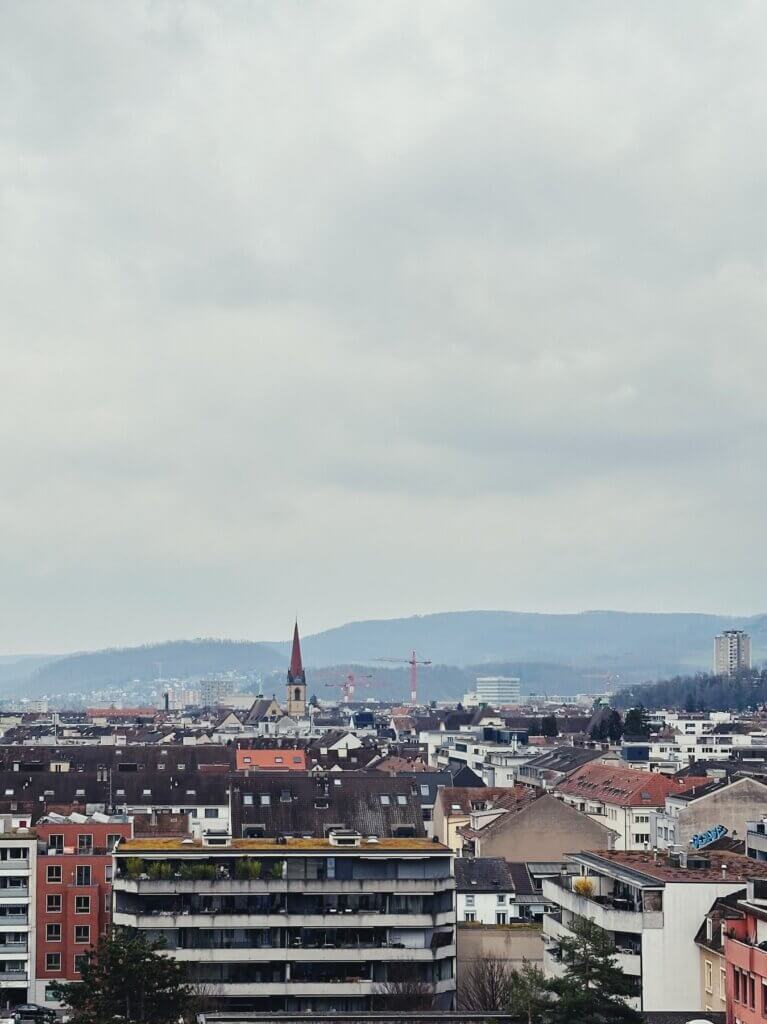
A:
[(715, 804), (18, 918), (541, 829), (732, 652), (652, 906), (296, 924)]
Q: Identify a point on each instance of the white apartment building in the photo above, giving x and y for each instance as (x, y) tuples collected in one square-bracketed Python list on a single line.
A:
[(296, 924), (498, 690), (651, 905), (732, 652), (18, 867)]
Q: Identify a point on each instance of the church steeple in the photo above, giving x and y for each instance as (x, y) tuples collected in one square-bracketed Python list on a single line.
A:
[(296, 679), (296, 671)]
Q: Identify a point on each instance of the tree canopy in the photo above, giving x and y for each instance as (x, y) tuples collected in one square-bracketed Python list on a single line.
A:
[(126, 978)]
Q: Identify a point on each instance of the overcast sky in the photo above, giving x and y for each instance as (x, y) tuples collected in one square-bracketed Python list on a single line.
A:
[(369, 309)]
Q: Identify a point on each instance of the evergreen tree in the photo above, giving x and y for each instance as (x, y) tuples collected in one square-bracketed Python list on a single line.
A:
[(531, 997), (636, 722), (549, 726), (614, 726), (126, 978), (593, 987)]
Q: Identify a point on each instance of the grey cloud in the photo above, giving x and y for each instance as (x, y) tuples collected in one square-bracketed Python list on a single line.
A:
[(371, 309)]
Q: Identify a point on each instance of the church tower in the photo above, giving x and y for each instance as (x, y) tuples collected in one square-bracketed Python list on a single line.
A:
[(296, 706)]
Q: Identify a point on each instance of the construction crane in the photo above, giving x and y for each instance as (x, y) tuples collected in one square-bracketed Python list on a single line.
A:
[(413, 662), (349, 685)]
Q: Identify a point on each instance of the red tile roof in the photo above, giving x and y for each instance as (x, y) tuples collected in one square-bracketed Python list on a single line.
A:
[(627, 787), (271, 760)]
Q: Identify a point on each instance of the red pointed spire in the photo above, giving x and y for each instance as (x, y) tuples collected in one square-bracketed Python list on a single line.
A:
[(296, 670)]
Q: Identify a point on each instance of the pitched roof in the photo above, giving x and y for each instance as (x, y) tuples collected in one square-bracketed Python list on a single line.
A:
[(465, 799), (483, 874), (299, 805), (627, 787), (278, 759)]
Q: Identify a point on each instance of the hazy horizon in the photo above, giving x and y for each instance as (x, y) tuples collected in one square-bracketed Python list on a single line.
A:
[(360, 310), (307, 633)]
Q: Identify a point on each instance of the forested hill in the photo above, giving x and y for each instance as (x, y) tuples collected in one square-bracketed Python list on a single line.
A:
[(636, 645), (180, 659), (700, 692)]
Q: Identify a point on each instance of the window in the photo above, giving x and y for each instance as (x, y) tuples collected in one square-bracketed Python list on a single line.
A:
[(500, 917), (424, 790), (84, 842), (211, 812), (501, 898), (82, 933), (83, 874), (53, 903), (736, 984), (53, 933), (161, 766), (470, 901), (53, 961), (723, 986), (278, 760), (385, 801), (470, 917), (80, 960), (709, 976), (113, 840), (108, 873), (265, 799), (146, 792), (181, 766), (56, 842), (401, 800), (53, 873), (82, 904), (248, 799)]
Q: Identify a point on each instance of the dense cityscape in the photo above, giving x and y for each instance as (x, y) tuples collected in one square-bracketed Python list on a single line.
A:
[(291, 856)]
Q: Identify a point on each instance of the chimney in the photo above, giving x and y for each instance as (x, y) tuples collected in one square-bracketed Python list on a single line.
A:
[(724, 870)]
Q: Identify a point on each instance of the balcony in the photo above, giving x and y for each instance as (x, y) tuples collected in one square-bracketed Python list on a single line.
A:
[(612, 915), (338, 955), (234, 887), (14, 893), (17, 866), (237, 919), (13, 920), (14, 978), (749, 957)]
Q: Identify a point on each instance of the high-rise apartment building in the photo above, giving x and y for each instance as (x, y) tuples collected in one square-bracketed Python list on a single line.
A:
[(498, 690), (296, 924), (215, 691), (732, 652)]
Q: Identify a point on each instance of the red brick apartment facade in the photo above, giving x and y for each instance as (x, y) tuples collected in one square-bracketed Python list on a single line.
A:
[(74, 893)]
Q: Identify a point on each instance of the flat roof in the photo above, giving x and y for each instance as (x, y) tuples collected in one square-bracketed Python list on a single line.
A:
[(177, 845), (738, 867)]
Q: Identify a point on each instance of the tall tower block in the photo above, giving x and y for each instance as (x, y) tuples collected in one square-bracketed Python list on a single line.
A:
[(296, 704)]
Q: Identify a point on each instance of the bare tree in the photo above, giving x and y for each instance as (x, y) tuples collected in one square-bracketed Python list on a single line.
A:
[(487, 985), (403, 991)]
